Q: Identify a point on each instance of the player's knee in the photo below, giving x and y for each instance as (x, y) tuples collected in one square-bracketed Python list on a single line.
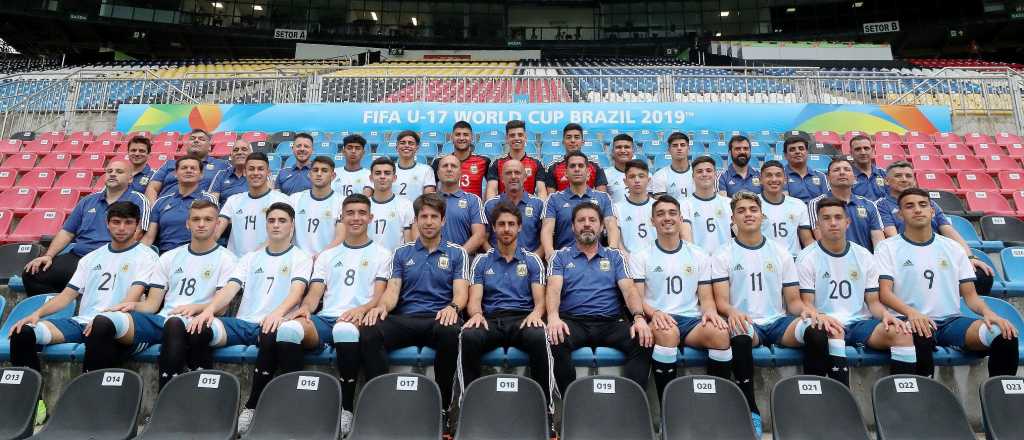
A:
[(534, 337), (895, 338), (448, 332), (371, 336), (120, 322), (815, 337), (473, 337), (102, 327), (267, 339), (290, 332), (718, 338), (345, 332), (666, 337), (28, 336), (174, 325), (742, 342)]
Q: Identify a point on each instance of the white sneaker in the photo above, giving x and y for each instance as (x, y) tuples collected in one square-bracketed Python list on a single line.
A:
[(346, 422), (245, 419)]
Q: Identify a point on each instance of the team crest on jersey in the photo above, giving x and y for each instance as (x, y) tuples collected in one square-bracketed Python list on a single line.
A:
[(862, 212), (529, 211), (207, 273), (125, 267), (605, 265), (463, 204), (769, 267), (209, 166), (529, 171), (473, 169), (854, 275), (755, 181), (943, 263), (442, 262), (328, 213), (284, 270), (718, 212), (816, 180), (364, 262), (879, 181), (792, 217), (688, 269), (143, 181), (521, 269)]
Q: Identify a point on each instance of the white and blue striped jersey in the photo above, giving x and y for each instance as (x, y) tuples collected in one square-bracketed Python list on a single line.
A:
[(671, 277), (409, 182), (349, 275), (104, 276), (711, 220), (635, 222), (267, 277), (784, 220), (190, 278), (756, 276), (671, 182), (925, 276), (391, 218), (248, 217), (315, 219), (839, 282), (348, 182)]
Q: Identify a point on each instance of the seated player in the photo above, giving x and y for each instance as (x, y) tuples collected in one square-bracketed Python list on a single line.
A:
[(674, 277), (840, 279), (274, 279), (757, 289), (923, 276)]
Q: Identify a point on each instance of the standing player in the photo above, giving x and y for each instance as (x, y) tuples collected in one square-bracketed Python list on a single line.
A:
[(635, 211), (709, 211), (412, 178), (474, 166), (426, 292), (590, 290), (506, 302), (923, 276), (464, 222), (738, 175), (865, 223), (756, 284), (295, 178), (353, 178), (515, 141), (246, 212), (622, 152), (674, 277), (676, 179), (530, 207), (804, 183), (392, 215), (786, 219), (840, 279), (572, 141), (317, 209), (557, 228), (349, 279), (273, 279)]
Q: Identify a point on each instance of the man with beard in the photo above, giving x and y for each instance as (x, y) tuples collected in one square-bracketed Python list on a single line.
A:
[(474, 166), (557, 228), (739, 176), (803, 183), (295, 178)]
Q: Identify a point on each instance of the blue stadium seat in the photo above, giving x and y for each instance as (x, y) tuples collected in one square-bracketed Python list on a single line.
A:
[(661, 160), (494, 358), (970, 235), (584, 357), (704, 137), (998, 281), (867, 357), (275, 162), (426, 356), (719, 150), (407, 356), (323, 356), (25, 308), (493, 149), (818, 162), (150, 354), (284, 149), (551, 147), (236, 354), (608, 357), (63, 352), (1004, 309), (1013, 269), (515, 357)]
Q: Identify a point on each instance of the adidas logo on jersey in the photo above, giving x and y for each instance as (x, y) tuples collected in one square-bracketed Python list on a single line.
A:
[(565, 205), (570, 266), (827, 275), (629, 218), (259, 270), (908, 263), (339, 263), (658, 269), (489, 272), (410, 262), (302, 211), (98, 267), (180, 270), (92, 210), (738, 267), (239, 212)]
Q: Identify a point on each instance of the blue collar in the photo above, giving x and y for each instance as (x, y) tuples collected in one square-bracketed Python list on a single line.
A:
[(601, 252), (420, 247), (790, 171), (730, 171), (459, 193)]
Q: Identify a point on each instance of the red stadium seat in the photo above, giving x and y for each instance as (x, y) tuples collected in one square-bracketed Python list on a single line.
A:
[(255, 136), (949, 150), (37, 223), (38, 146), (923, 149), (21, 161), (887, 148), (989, 202), (53, 136), (86, 136), (1018, 201), (1007, 138), (987, 149), (1015, 150), (143, 133), (946, 137), (1011, 181), (70, 146), (965, 162), (157, 160), (19, 199), (11, 146), (94, 162), (928, 162), (935, 180), (75, 179), (57, 161), (917, 136), (885, 159), (59, 199), (975, 138), (112, 136), (975, 181), (167, 136), (106, 147), (887, 137), (8, 177), (166, 147), (222, 149), (995, 163), (850, 134), (224, 136), (6, 217), (39, 178), (828, 137)]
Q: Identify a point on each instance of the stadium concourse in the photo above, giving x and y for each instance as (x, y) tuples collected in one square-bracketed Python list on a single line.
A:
[(49, 182)]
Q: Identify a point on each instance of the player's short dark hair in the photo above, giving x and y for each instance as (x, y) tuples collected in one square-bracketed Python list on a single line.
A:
[(199, 130), (513, 124), (835, 160), (861, 137), (258, 155), (177, 163), (355, 198), (703, 159), (282, 206), (408, 133), (505, 207), (829, 202), (790, 140), (899, 164), (572, 126), (664, 198), (303, 136), (636, 163), (324, 160), (383, 160), (737, 138), (124, 210), (677, 135), (912, 192), (772, 163), (203, 204), (141, 140), (623, 137), (462, 124), (585, 206), (431, 200), (575, 154), (353, 139)]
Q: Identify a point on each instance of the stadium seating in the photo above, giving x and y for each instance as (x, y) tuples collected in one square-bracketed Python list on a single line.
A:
[(605, 407), (704, 407), (99, 404), (805, 407), (302, 404), (19, 391), (38, 178), (37, 224), (1009, 230), (22, 310), (195, 405), (19, 199), (503, 406), (1001, 400), (898, 402), (951, 204), (1013, 268), (991, 202), (415, 397)]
